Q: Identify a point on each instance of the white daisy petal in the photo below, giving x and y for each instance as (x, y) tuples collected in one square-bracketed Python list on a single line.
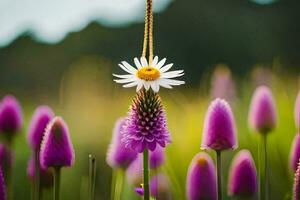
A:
[(124, 76), (137, 63), (155, 86), (161, 63), (130, 84), (173, 82), (166, 68), (128, 80), (147, 85), (140, 85), (154, 61), (125, 69), (129, 67), (144, 62), (162, 83), (172, 74)]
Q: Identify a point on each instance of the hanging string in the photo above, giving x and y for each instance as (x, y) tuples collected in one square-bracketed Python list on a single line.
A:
[(148, 32)]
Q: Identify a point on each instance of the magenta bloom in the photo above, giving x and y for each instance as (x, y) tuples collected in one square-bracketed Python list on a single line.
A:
[(134, 173), (6, 159), (57, 148), (156, 157), (39, 121), (146, 124), (219, 131), (242, 177), (2, 186), (46, 177), (297, 111), (262, 113), (296, 189), (295, 152), (10, 115), (201, 178), (118, 155)]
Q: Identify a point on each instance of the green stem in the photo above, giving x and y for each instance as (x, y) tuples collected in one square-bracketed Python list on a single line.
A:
[(263, 169), (146, 174), (92, 176), (113, 184), (219, 175), (56, 183), (37, 174), (119, 184)]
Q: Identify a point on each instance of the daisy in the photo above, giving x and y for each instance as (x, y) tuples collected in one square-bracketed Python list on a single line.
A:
[(146, 75)]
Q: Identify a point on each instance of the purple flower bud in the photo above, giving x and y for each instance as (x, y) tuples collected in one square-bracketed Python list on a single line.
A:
[(160, 187), (156, 157), (118, 155), (134, 173), (262, 113), (6, 159), (295, 152), (201, 178), (39, 121), (146, 124), (139, 190), (297, 111), (46, 177), (2, 186), (242, 177), (10, 116), (57, 148), (296, 189), (219, 132)]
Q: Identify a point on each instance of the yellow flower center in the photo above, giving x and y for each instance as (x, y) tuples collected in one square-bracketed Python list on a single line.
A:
[(202, 162), (148, 73)]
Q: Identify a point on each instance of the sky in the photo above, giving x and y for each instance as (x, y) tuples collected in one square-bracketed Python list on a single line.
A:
[(50, 21)]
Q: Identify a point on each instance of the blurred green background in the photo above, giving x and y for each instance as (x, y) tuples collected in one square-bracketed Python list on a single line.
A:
[(259, 43)]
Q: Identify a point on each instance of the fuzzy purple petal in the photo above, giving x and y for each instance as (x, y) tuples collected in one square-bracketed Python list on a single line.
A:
[(262, 113), (295, 152), (296, 187), (156, 157), (145, 126), (118, 155), (297, 111), (41, 117), (57, 148), (201, 178), (242, 177), (219, 132), (10, 115)]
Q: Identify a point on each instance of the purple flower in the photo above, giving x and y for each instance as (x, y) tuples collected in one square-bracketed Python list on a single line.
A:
[(2, 186), (295, 152), (6, 159), (39, 121), (222, 85), (219, 131), (57, 149), (296, 189), (160, 187), (242, 177), (201, 178), (139, 191), (46, 177), (10, 115), (262, 114), (118, 155), (146, 124), (134, 173), (156, 157), (297, 111)]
